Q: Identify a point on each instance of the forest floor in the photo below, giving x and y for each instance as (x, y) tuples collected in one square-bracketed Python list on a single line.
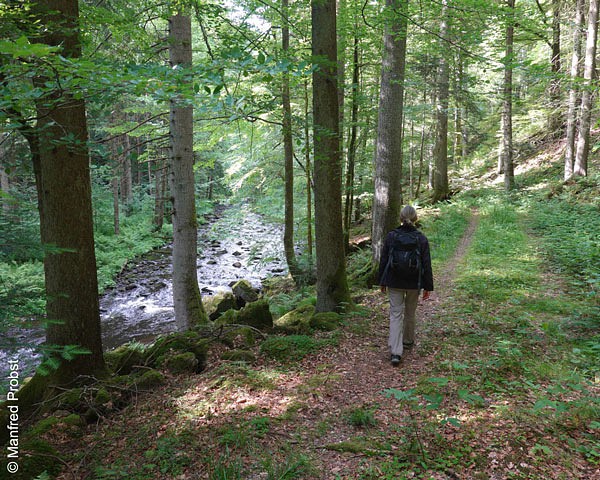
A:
[(467, 402)]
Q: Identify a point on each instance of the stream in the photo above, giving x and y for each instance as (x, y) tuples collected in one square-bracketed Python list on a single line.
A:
[(234, 244)]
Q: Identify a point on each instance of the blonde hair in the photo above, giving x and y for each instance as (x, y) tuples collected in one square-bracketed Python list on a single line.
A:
[(408, 215)]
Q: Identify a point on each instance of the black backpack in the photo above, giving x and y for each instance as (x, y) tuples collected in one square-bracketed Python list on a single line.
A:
[(405, 255)]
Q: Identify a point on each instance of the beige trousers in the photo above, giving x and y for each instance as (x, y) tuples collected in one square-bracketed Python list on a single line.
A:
[(403, 307)]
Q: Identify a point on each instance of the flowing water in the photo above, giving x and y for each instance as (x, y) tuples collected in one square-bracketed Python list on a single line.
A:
[(234, 244)]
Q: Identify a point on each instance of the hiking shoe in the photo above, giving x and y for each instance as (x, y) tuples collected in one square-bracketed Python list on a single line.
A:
[(395, 360)]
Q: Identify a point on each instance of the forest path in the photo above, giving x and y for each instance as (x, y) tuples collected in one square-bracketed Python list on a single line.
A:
[(355, 374)]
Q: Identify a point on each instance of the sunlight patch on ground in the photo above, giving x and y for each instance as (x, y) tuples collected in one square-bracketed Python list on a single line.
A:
[(208, 402)]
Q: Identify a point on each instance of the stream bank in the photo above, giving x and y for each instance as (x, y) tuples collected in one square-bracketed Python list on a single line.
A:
[(233, 244)]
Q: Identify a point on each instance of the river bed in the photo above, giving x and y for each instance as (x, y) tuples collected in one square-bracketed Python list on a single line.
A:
[(234, 244)]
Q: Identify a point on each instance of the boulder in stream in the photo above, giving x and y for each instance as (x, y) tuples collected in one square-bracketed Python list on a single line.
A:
[(244, 293), (218, 304)]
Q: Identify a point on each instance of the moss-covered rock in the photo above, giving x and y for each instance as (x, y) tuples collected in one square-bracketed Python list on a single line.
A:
[(35, 458), (102, 396), (46, 424), (180, 342), (257, 315), (244, 293), (180, 362), (124, 359), (218, 304), (296, 321), (150, 378), (228, 318), (71, 400), (237, 355), (327, 321)]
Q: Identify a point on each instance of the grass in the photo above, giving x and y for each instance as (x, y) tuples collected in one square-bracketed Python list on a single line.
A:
[(508, 348), (507, 385)]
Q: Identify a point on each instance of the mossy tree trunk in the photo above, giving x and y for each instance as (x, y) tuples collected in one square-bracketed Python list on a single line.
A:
[(187, 301), (332, 285)]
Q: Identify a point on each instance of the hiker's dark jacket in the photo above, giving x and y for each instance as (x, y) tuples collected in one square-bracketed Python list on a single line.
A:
[(392, 279)]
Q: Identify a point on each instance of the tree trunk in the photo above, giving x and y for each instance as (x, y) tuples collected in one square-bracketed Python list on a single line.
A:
[(388, 159), (583, 139), (160, 193), (66, 218), (441, 190), (332, 286), (507, 147), (5, 189), (288, 149), (309, 221), (574, 99), (352, 146), (114, 181), (555, 119), (126, 174), (187, 301)]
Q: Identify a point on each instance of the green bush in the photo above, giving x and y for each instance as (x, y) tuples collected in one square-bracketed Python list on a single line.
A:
[(569, 235)]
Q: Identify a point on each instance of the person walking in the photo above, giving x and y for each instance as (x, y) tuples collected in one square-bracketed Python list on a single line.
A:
[(404, 269)]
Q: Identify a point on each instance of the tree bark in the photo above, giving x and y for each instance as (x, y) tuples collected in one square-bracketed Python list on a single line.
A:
[(160, 193), (126, 174), (187, 301), (507, 146), (288, 149), (574, 98), (332, 285), (555, 119), (309, 219), (388, 159), (583, 139), (114, 181), (66, 220), (5, 189), (441, 190), (352, 146)]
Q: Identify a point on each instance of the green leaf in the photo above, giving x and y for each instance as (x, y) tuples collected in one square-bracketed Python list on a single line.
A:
[(441, 381), (435, 400), (400, 394)]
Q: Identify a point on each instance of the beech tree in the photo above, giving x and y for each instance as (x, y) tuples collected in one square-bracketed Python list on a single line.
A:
[(187, 300), (583, 138), (332, 285), (507, 94), (441, 188), (388, 160), (288, 151), (574, 98)]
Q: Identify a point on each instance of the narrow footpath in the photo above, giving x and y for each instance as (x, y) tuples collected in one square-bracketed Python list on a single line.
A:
[(359, 370)]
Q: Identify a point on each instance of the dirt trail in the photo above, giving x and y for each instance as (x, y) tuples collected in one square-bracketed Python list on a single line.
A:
[(360, 370)]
